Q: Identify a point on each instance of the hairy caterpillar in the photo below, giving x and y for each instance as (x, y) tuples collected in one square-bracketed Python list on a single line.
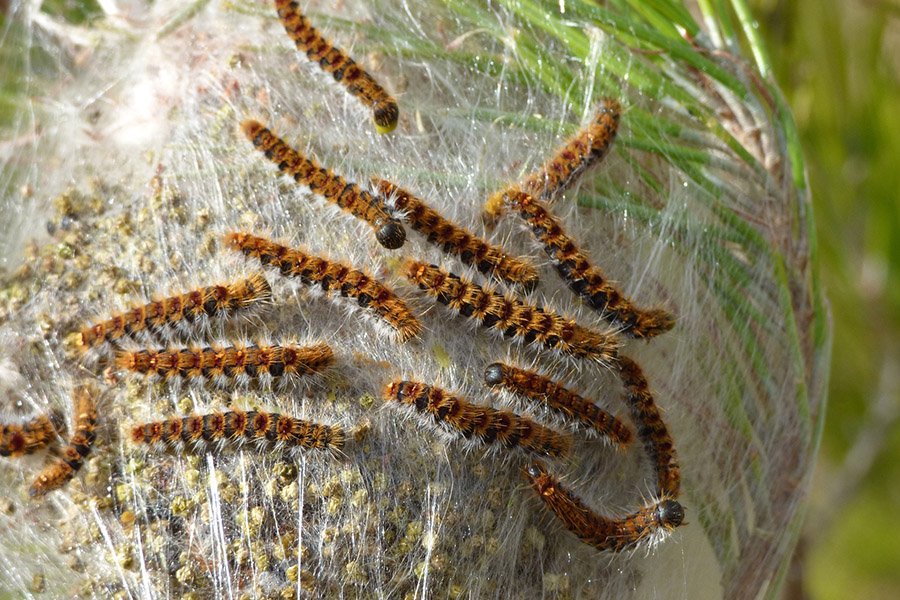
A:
[(513, 317), (343, 68), (334, 188), (331, 276), (229, 363), (487, 424), (180, 310), (264, 429), (453, 239), (651, 523), (583, 278), (551, 393), (586, 148), (18, 439), (61, 470), (650, 427)]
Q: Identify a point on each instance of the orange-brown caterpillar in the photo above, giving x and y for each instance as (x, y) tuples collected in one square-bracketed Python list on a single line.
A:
[(583, 278), (512, 317), (344, 70), (586, 148), (230, 363), (453, 239), (334, 188), (482, 422), (551, 393), (18, 439), (182, 310), (331, 276), (651, 523), (61, 470), (650, 427), (264, 429)]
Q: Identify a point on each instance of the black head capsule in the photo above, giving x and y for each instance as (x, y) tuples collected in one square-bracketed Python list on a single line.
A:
[(391, 235), (493, 374), (670, 513)]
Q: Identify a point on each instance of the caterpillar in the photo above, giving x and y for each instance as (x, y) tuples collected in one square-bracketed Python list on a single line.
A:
[(453, 239), (18, 439), (61, 470), (535, 386), (484, 423), (514, 318), (586, 148), (181, 310), (343, 68), (264, 429), (331, 276), (334, 188), (650, 427), (651, 523), (228, 364), (584, 279)]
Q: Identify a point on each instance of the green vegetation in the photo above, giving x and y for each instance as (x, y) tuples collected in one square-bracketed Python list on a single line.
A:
[(839, 65)]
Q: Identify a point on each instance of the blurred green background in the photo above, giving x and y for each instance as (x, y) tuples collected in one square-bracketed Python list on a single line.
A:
[(838, 62)]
